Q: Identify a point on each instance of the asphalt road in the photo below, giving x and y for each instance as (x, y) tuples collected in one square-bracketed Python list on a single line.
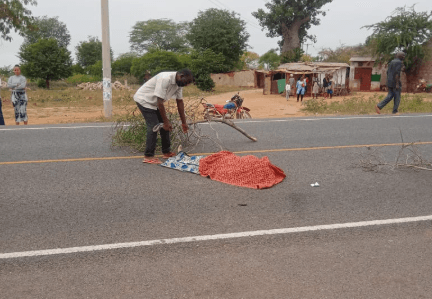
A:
[(49, 202)]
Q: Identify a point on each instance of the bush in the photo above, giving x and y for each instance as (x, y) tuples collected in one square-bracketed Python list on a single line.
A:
[(95, 70), (122, 65), (77, 69), (41, 83), (155, 61), (204, 81), (79, 78)]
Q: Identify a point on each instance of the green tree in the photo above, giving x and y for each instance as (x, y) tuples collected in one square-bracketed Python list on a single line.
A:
[(89, 52), (15, 15), (155, 61), (270, 60), (247, 60), (405, 30), (291, 20), (344, 53), (48, 28), (160, 34), (95, 70), (204, 63), (122, 65), (222, 32), (6, 71), (45, 60)]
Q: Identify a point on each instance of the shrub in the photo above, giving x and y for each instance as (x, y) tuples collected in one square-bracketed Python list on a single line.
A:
[(80, 78), (41, 83)]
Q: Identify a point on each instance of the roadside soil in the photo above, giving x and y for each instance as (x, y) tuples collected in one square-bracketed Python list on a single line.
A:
[(261, 106)]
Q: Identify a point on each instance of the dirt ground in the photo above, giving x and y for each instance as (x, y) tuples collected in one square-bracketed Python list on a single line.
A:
[(261, 106)]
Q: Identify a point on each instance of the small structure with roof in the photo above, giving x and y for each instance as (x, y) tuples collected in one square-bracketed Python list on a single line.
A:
[(311, 70)]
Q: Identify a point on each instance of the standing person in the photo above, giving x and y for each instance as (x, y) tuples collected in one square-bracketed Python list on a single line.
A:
[(325, 85), (330, 86), (301, 88), (315, 89), (150, 99), (2, 123), (393, 83), (287, 90), (19, 97), (292, 83)]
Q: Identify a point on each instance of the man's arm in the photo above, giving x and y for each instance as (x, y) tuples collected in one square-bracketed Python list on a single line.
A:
[(167, 125), (397, 76), (180, 107)]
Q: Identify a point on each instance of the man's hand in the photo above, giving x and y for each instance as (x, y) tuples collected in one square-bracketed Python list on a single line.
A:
[(167, 126), (185, 128)]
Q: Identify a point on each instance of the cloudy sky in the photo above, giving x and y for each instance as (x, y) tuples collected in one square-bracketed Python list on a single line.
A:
[(341, 25)]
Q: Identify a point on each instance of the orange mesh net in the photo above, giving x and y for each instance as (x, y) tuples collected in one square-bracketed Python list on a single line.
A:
[(248, 171)]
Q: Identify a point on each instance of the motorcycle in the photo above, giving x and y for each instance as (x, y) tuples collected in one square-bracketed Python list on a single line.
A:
[(233, 109), (423, 86)]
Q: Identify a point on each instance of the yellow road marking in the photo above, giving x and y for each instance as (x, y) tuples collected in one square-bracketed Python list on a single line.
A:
[(207, 154)]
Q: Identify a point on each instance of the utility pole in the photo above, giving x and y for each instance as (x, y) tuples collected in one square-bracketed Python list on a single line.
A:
[(307, 48), (106, 61)]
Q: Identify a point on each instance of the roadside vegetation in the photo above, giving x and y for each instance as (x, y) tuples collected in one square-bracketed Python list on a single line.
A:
[(358, 105)]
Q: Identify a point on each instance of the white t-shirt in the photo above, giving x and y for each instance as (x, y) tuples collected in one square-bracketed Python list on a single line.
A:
[(163, 86)]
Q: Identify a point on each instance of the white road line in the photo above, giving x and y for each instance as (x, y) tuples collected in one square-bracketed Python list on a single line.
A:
[(49, 252), (241, 121), (49, 128)]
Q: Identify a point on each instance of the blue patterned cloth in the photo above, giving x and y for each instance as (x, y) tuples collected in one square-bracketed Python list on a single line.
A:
[(183, 162)]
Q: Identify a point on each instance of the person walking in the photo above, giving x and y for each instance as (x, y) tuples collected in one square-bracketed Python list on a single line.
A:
[(287, 90), (2, 123), (301, 87), (150, 99), (394, 84), (19, 97)]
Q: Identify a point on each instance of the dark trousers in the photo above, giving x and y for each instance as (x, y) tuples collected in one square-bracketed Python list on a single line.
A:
[(2, 123), (152, 118), (395, 94)]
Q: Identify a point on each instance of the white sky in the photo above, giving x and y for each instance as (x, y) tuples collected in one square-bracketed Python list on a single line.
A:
[(341, 25)]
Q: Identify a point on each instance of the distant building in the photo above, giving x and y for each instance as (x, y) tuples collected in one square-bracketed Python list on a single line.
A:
[(365, 76)]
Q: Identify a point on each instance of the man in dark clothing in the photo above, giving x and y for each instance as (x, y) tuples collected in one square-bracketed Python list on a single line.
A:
[(393, 83)]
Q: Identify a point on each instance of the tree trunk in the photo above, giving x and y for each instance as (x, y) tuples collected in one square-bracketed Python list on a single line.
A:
[(47, 83), (291, 35)]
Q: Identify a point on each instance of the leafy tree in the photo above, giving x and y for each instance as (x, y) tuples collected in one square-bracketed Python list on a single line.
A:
[(6, 70), (270, 60), (78, 69), (204, 63), (15, 15), (344, 53), (405, 30), (48, 28), (95, 70), (291, 20), (45, 60), (89, 52), (247, 60), (222, 32), (155, 61), (122, 65), (160, 34)]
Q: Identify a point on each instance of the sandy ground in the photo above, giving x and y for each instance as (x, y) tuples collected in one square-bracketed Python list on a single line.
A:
[(261, 106)]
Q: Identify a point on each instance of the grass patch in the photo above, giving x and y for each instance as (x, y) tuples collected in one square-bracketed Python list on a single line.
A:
[(358, 105)]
